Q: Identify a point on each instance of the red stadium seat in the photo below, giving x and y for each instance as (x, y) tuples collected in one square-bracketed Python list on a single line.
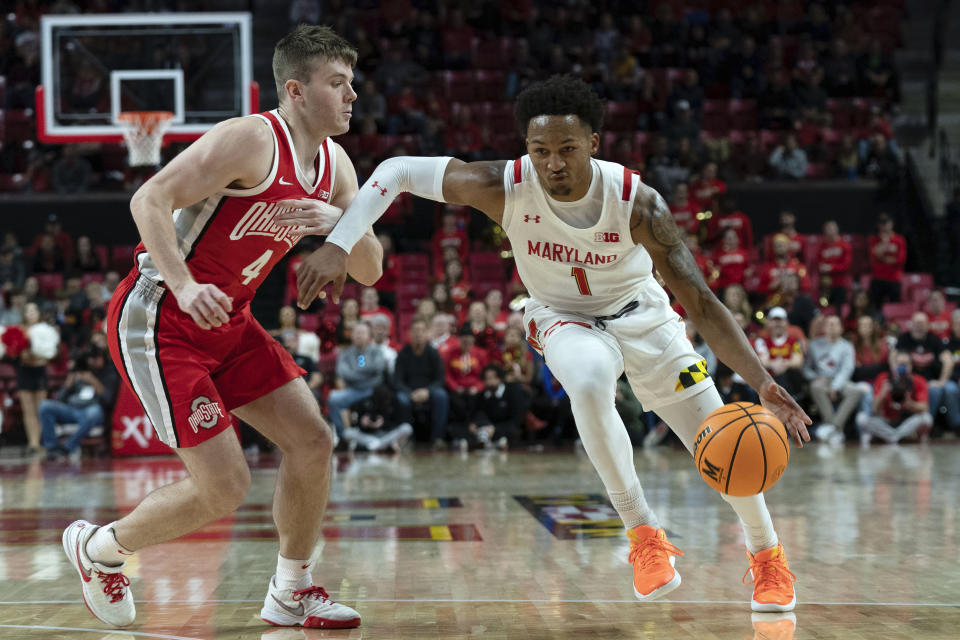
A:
[(458, 86), (898, 312), (913, 281), (17, 125), (121, 257), (818, 170), (91, 277), (714, 117), (841, 113), (103, 253), (498, 116), (621, 116), (49, 283), (309, 322), (490, 85)]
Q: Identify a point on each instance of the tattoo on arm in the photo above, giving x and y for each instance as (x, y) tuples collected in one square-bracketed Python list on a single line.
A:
[(664, 231)]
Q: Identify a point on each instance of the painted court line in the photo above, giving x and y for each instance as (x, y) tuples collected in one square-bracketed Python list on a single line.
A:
[(108, 632), (497, 600)]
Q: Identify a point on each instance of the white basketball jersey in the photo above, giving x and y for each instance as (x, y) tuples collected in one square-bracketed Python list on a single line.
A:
[(595, 271)]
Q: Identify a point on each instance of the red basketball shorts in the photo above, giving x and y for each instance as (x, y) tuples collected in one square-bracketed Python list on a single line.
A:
[(189, 379)]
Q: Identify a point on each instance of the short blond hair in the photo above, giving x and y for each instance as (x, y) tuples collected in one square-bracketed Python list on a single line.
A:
[(295, 53)]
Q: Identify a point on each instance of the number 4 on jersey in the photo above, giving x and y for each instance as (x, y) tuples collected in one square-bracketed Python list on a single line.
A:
[(253, 269), (582, 284)]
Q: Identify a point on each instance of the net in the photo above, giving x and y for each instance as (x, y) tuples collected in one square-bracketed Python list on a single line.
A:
[(143, 132)]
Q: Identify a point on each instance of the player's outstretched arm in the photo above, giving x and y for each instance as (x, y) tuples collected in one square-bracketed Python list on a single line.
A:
[(478, 184), (236, 152), (653, 226), (315, 217)]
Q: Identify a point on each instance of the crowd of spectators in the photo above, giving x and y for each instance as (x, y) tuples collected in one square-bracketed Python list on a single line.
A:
[(785, 90), (436, 350)]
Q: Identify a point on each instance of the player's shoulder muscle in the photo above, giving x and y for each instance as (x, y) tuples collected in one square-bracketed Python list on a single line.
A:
[(238, 149)]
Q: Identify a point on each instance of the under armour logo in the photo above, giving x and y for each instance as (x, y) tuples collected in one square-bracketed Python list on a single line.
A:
[(536, 219), (376, 185)]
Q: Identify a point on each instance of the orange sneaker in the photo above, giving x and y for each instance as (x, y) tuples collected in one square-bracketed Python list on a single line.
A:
[(773, 626), (772, 580), (652, 557)]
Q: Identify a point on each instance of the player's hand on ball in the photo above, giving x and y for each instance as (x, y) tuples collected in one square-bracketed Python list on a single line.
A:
[(325, 265), (205, 303), (795, 419), (314, 217)]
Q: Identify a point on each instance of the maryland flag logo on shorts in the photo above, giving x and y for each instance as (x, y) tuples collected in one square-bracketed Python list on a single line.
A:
[(692, 375)]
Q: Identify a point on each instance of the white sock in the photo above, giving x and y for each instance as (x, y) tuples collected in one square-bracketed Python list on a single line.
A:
[(755, 519), (293, 575), (102, 547), (633, 507)]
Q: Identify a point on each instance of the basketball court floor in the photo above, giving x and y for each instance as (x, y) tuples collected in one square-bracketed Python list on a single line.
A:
[(514, 545)]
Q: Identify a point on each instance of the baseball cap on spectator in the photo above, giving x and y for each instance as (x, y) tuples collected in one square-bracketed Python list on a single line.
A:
[(777, 312), (465, 330)]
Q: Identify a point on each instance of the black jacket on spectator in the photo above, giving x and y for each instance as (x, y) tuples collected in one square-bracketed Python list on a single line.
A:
[(503, 407), (418, 371), (924, 354)]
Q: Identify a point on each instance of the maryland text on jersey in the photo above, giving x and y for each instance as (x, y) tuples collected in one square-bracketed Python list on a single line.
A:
[(556, 252)]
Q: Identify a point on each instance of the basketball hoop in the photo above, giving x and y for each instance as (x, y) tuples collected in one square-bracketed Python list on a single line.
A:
[(143, 132)]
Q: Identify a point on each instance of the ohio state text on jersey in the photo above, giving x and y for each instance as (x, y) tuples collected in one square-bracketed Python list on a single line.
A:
[(231, 239)]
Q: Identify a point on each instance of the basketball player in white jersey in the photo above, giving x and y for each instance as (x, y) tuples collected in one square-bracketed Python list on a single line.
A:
[(586, 236), (182, 335)]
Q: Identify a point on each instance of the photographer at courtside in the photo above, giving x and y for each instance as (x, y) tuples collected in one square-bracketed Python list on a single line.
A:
[(900, 405)]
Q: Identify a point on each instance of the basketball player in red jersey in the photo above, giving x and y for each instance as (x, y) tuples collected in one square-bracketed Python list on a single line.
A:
[(586, 236), (182, 335)]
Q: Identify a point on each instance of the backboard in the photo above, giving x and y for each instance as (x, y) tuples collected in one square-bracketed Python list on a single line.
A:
[(93, 67)]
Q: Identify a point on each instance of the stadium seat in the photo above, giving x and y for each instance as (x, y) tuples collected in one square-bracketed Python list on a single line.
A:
[(18, 125), (121, 257), (621, 116), (715, 117), (458, 86), (818, 170), (91, 277), (490, 85), (898, 312), (49, 283), (913, 281), (309, 322), (841, 113), (498, 116)]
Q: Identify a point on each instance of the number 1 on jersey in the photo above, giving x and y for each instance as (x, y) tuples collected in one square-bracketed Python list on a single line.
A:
[(253, 269), (582, 284)]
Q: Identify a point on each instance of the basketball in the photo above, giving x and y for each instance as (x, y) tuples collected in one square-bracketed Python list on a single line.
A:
[(741, 449)]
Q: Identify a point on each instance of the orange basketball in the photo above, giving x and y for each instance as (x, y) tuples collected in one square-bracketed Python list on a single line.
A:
[(742, 449)]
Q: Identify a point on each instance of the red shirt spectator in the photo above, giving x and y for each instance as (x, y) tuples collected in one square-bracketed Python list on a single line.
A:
[(888, 254), (61, 238), (938, 314), (781, 348), (919, 392), (464, 134), (739, 222), (450, 235), (771, 272), (464, 364), (788, 228), (370, 306), (707, 268), (731, 260), (684, 210), (708, 189), (836, 259)]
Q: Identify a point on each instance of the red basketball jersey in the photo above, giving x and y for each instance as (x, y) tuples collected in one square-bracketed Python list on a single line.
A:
[(231, 239)]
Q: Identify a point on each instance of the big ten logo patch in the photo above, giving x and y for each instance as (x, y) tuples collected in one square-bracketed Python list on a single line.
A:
[(204, 413), (606, 236)]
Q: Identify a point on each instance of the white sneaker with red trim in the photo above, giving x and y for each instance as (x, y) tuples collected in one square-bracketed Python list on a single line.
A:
[(105, 590), (310, 607)]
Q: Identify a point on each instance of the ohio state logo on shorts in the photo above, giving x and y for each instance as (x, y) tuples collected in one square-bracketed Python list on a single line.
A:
[(204, 414)]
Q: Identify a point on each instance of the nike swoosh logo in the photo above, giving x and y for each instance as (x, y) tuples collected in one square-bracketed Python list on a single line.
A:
[(86, 576), (305, 566), (282, 181), (290, 610)]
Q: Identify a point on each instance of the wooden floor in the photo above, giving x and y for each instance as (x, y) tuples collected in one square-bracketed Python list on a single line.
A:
[(518, 545)]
